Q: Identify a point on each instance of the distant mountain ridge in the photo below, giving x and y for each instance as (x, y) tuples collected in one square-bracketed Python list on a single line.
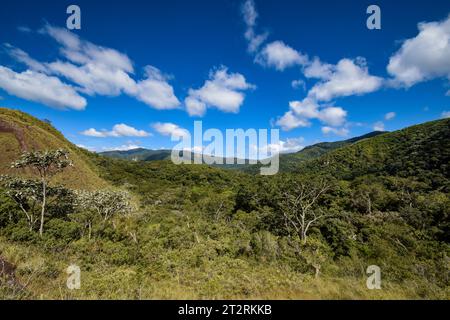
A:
[(287, 161), (139, 154)]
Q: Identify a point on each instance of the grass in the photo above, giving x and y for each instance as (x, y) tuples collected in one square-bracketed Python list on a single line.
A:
[(39, 135), (44, 274)]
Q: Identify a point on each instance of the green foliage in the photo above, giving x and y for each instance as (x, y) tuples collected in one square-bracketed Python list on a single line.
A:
[(46, 163), (203, 232)]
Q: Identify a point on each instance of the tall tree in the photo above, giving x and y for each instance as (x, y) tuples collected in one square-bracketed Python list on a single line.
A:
[(45, 164)]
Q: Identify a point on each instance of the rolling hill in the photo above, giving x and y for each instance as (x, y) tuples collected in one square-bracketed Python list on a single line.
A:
[(288, 162), (196, 231), (139, 154), (421, 151), (20, 132)]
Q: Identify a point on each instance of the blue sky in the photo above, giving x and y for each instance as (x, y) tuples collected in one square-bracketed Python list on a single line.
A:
[(140, 70)]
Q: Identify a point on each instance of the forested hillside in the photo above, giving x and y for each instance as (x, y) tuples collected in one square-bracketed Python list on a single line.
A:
[(288, 162), (195, 231)]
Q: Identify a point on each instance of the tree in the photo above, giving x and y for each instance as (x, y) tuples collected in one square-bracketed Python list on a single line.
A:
[(45, 164), (28, 195), (299, 206), (86, 219), (102, 203)]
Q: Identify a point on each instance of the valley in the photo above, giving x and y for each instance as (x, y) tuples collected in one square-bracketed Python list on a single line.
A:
[(203, 232)]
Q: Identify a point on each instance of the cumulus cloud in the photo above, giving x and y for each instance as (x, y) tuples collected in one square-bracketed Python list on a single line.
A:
[(343, 132), (445, 114), (390, 115), (280, 56), (276, 54), (289, 121), (41, 88), (250, 15), (119, 130), (223, 91), (170, 129), (348, 77), (155, 90), (97, 70), (124, 147), (290, 145), (378, 126), (296, 84), (318, 70), (424, 57), (334, 116), (301, 112)]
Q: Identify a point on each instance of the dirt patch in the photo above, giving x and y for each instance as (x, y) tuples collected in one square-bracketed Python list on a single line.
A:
[(17, 131)]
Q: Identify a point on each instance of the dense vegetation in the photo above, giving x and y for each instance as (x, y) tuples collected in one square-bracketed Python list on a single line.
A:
[(288, 162), (195, 231)]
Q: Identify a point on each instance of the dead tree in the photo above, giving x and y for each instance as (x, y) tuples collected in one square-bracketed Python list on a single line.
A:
[(299, 206)]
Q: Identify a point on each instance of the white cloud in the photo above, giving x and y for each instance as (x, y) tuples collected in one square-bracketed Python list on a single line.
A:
[(301, 112), (445, 114), (24, 58), (95, 133), (447, 93), (378, 126), (38, 87), (250, 15), (222, 91), (296, 84), (318, 70), (83, 52), (280, 56), (390, 115), (333, 116), (170, 129), (289, 146), (92, 149), (119, 130), (195, 107), (124, 147), (289, 121), (348, 77), (155, 90), (308, 108), (343, 132), (424, 57), (98, 70)]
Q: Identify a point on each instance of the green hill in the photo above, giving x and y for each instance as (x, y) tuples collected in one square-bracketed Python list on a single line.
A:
[(21, 132), (200, 232), (421, 151), (288, 162), (291, 161), (139, 154)]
